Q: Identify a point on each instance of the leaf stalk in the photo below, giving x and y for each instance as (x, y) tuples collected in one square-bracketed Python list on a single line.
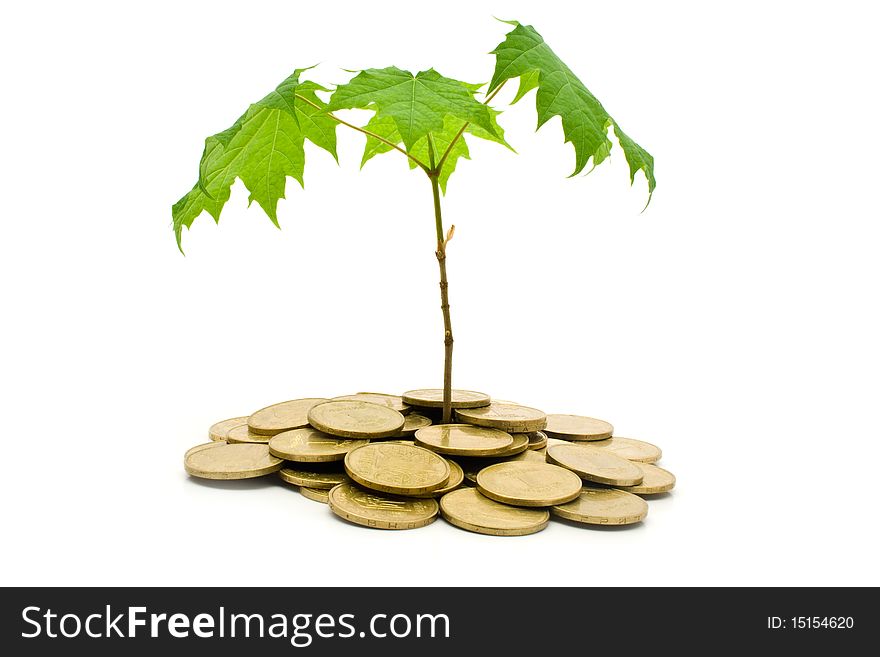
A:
[(369, 133), (463, 128)]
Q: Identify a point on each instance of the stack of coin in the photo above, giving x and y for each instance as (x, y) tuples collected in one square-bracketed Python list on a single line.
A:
[(380, 460)]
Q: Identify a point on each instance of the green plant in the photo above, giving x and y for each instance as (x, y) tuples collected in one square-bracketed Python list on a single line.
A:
[(424, 117)]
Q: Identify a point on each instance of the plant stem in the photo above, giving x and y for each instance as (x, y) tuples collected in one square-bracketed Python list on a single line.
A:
[(433, 173), (416, 160), (442, 241)]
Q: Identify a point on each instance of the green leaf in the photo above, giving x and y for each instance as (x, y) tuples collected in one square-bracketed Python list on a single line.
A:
[(460, 148), (185, 211), (585, 123), (262, 148), (442, 139), (418, 104), (527, 81), (637, 158), (386, 127)]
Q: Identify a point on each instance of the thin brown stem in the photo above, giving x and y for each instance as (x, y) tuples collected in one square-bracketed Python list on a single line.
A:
[(416, 160), (444, 288), (447, 326)]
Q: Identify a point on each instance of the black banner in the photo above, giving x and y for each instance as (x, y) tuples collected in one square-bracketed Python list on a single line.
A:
[(431, 621)]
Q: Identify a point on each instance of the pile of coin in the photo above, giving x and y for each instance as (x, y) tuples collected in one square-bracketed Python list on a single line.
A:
[(384, 461)]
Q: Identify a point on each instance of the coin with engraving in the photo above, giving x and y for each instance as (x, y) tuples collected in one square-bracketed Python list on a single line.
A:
[(594, 464), (519, 445), (433, 398), (316, 494), (603, 506), (656, 480), (464, 440), (242, 461), (630, 449), (380, 511), (392, 467), (525, 483), (316, 475), (391, 401), (469, 509), (413, 422), (577, 427), (219, 430), (456, 477), (242, 434), (354, 418), (507, 417), (537, 440), (309, 445), (285, 416)]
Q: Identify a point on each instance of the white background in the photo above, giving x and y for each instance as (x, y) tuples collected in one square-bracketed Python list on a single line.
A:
[(734, 322)]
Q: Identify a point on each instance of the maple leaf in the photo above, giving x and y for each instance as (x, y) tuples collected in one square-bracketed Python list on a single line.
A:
[(262, 148), (386, 127), (416, 104), (585, 123)]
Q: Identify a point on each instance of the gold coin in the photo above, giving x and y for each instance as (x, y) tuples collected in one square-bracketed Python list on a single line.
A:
[(519, 445), (242, 434), (414, 422), (594, 464), (395, 468), (603, 506), (199, 448), (577, 427), (391, 401), (219, 430), (311, 446), (555, 441), (533, 455), (433, 398), (380, 511), (469, 509), (537, 440), (232, 462), (456, 477), (507, 417), (632, 450), (657, 480), (352, 418), (316, 494), (285, 416), (524, 483), (463, 440), (313, 477)]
